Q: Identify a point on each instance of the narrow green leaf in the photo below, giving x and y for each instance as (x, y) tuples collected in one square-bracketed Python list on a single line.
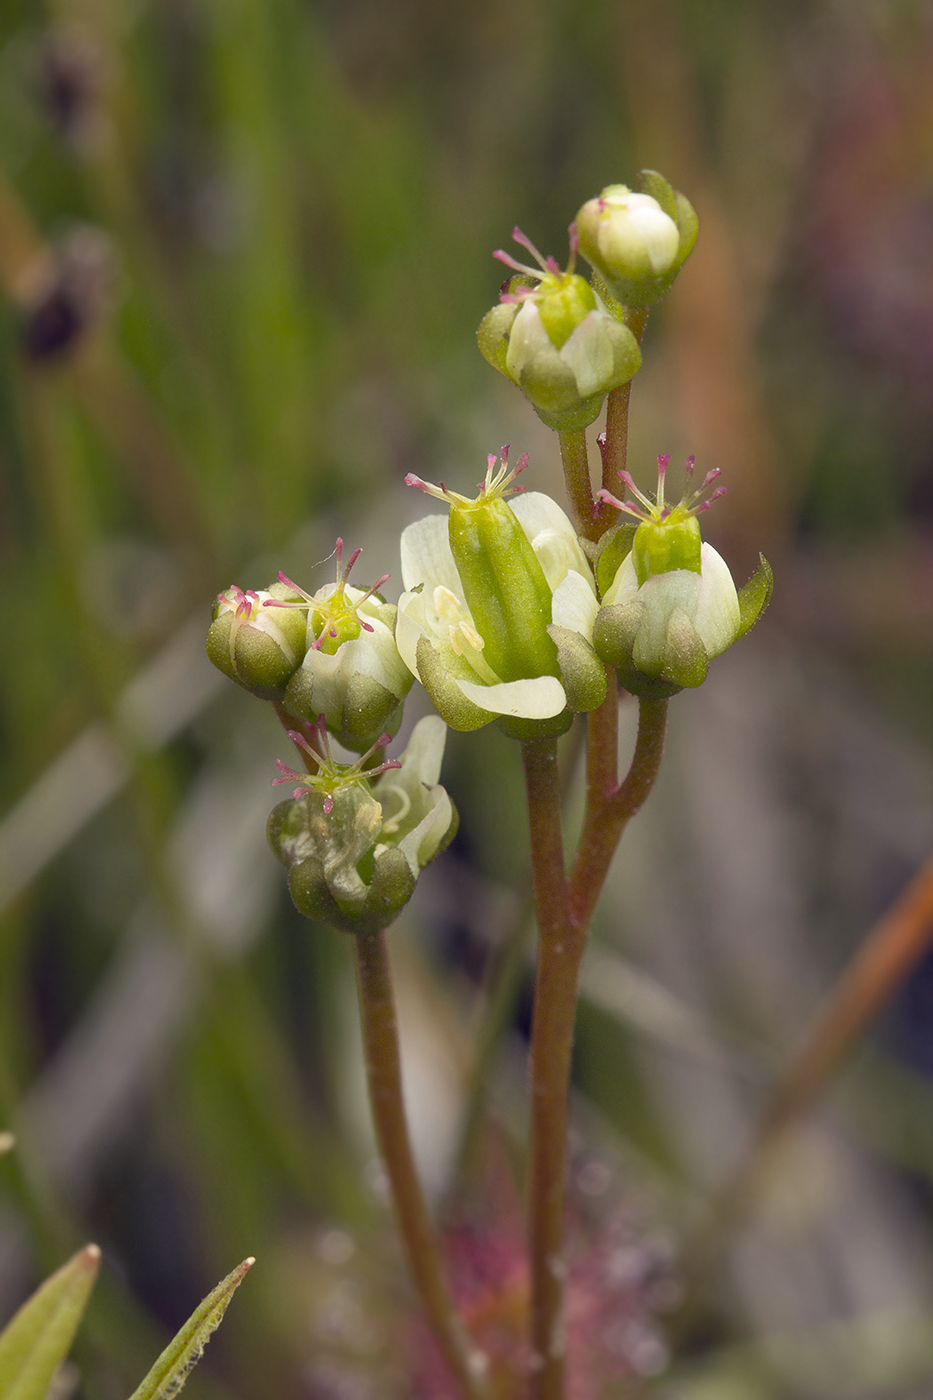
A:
[(183, 1353), (36, 1341)]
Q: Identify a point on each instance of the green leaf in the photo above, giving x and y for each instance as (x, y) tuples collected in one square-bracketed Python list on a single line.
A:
[(754, 596), (183, 1353), (36, 1341)]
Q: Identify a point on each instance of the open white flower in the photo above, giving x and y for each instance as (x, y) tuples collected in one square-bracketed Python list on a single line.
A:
[(442, 641), (672, 605)]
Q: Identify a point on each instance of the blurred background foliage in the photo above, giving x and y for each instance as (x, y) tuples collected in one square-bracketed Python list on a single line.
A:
[(243, 250)]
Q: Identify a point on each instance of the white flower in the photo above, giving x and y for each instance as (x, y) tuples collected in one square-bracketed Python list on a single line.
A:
[(707, 600), (632, 229), (433, 610)]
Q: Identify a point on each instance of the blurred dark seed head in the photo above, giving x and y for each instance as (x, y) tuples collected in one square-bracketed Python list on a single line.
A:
[(64, 294), (70, 80)]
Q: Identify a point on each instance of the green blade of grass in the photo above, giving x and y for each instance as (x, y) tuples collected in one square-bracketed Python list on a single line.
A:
[(183, 1353), (38, 1338)]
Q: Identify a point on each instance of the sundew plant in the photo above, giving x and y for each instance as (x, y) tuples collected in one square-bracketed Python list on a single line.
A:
[(442, 866)]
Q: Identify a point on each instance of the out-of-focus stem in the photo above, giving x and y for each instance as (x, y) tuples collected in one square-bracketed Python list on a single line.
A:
[(383, 1068), (891, 950)]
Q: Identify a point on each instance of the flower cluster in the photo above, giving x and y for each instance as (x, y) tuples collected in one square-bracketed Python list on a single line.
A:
[(331, 652)]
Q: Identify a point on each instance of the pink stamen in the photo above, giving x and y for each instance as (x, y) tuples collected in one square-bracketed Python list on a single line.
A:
[(705, 505), (525, 242), (689, 463)]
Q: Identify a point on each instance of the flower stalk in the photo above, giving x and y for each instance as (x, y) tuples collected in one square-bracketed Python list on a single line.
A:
[(384, 1076)]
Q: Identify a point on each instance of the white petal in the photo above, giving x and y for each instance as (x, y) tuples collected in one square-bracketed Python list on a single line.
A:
[(661, 594), (408, 630), (539, 698), (588, 352), (624, 586), (526, 337), (539, 515), (424, 752), (658, 230), (420, 844), (574, 604), (717, 618), (426, 556)]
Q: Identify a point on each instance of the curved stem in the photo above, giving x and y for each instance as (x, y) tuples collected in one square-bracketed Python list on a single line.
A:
[(551, 1044), (383, 1068)]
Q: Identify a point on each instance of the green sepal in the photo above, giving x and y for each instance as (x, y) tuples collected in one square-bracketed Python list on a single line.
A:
[(258, 663), (183, 1353), (686, 660), (37, 1339), (755, 596), (492, 336), (523, 729), (582, 674), (447, 698), (390, 889), (614, 635), (368, 710), (574, 419), (614, 548)]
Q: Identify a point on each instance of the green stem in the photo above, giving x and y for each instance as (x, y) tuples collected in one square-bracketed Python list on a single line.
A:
[(551, 1044), (383, 1068), (564, 910), (592, 519), (610, 806), (615, 448)]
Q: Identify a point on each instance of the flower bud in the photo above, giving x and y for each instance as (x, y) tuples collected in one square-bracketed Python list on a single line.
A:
[(356, 838), (553, 337), (486, 594), (672, 605), (351, 671), (258, 647), (638, 240)]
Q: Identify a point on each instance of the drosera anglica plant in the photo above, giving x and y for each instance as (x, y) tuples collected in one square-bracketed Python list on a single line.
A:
[(518, 613)]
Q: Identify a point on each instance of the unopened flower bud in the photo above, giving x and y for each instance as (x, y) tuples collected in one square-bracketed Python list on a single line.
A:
[(356, 837), (672, 605), (258, 647), (638, 240), (553, 337)]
